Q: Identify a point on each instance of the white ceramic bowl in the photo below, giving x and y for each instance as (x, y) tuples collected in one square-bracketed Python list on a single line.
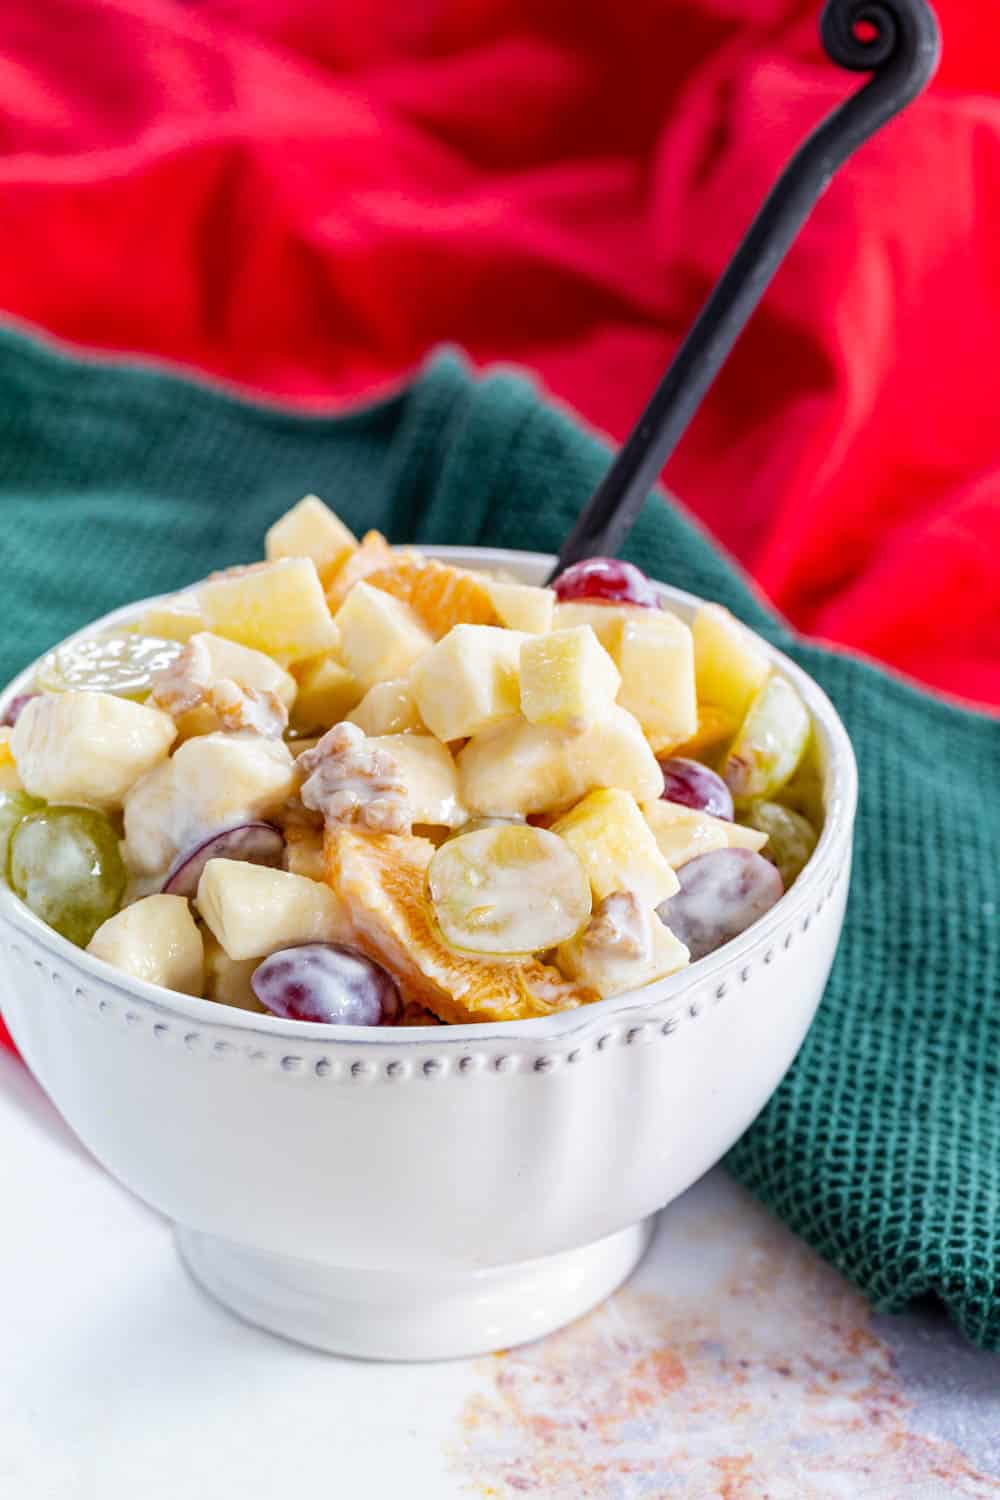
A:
[(435, 1191)]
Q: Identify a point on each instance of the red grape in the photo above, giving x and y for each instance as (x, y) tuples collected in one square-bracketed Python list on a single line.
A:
[(721, 894), (255, 843), (14, 708), (326, 982), (694, 785), (606, 580)]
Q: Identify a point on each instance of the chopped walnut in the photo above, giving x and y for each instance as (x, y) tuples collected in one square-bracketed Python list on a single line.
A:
[(183, 684), (349, 781), (187, 683), (618, 927), (245, 708)]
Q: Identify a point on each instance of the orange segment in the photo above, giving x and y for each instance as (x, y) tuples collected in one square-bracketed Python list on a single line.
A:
[(372, 552), (441, 594), (381, 883)]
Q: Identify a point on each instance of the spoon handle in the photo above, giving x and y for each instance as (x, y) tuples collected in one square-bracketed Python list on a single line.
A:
[(898, 42)]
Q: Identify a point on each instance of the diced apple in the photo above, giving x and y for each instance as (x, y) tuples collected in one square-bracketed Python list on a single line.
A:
[(327, 692), (210, 783), (88, 747), (249, 669), (655, 656), (522, 768), (227, 980), (388, 708), (155, 939), (522, 606), (254, 911), (275, 607), (616, 847), (770, 744), (310, 529), (682, 833), (380, 636), (176, 618), (605, 620), (430, 776), (468, 682), (730, 664), (624, 947), (568, 680)]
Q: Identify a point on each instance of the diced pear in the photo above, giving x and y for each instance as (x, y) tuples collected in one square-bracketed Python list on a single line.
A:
[(227, 980), (616, 847), (310, 529), (155, 939), (327, 692), (770, 744), (468, 682), (522, 606), (682, 833), (655, 656), (212, 782), (276, 607), (254, 911), (522, 768), (730, 664), (380, 636), (88, 747), (430, 775), (640, 952), (176, 618), (568, 680), (388, 708)]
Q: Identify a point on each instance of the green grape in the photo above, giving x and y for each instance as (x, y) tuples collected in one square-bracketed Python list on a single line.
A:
[(791, 838), (770, 743), (13, 807), (122, 664), (64, 863)]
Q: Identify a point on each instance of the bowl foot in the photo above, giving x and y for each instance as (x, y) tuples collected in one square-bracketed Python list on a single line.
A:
[(411, 1315)]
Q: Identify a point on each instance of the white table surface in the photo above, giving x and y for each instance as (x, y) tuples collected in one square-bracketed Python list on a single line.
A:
[(733, 1365)]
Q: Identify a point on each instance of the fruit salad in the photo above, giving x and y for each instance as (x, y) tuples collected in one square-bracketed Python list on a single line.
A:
[(354, 784)]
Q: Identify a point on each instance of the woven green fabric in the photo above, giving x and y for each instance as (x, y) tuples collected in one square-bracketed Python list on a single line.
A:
[(882, 1146)]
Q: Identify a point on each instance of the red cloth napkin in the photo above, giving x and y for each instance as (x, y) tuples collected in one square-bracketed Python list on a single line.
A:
[(303, 197)]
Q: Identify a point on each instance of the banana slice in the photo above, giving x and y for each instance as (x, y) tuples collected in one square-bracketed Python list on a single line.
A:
[(517, 889), (381, 883)]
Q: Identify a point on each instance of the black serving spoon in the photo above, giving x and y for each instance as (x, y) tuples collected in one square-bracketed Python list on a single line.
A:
[(898, 42)]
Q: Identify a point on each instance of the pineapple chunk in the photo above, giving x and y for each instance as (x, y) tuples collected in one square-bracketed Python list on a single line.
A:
[(682, 833), (715, 727), (254, 911), (730, 665), (521, 606), (468, 682), (177, 618), (275, 607), (616, 847), (154, 939), (429, 775), (310, 529), (327, 691), (304, 851), (388, 708), (210, 783), (771, 743), (522, 768), (88, 747), (624, 947), (227, 980), (567, 678), (655, 657), (380, 637), (10, 781)]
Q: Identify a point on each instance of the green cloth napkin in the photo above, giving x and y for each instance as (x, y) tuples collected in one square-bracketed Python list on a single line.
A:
[(882, 1146)]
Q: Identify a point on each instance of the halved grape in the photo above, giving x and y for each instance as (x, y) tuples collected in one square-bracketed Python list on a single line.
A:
[(254, 843), (694, 785), (605, 580), (721, 894), (14, 807), (122, 664), (791, 838), (326, 982), (770, 743), (508, 889), (14, 707), (64, 863)]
